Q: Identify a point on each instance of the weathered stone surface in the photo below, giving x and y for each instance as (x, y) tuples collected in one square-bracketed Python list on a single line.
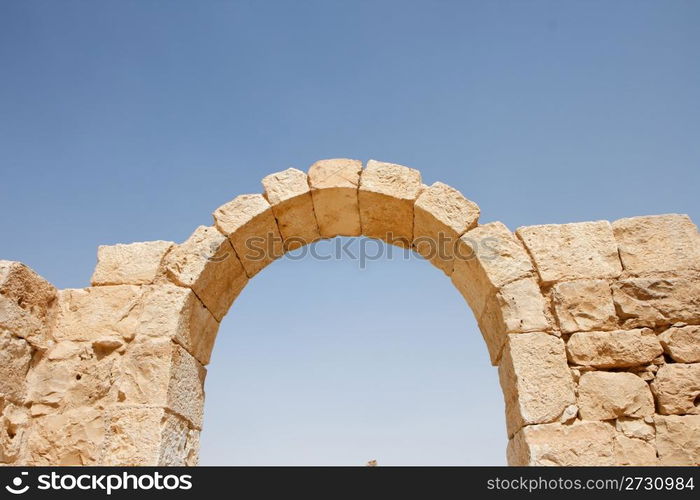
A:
[(442, 215), (616, 349), (248, 222), (132, 264), (658, 243), (572, 251), (14, 426), (608, 395), (678, 439), (677, 389), (635, 428), (584, 305), (290, 196), (536, 381), (15, 356), (334, 184), (518, 307), (682, 343), (656, 301), (26, 301), (632, 451), (387, 194), (581, 443), (208, 264)]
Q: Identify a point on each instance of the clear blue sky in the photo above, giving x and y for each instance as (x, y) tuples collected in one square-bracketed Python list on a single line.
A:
[(130, 121)]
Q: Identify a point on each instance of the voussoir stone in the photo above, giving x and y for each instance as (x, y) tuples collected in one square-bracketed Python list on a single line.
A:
[(334, 184), (677, 389), (614, 349), (130, 264), (682, 343), (609, 395), (678, 439), (289, 194), (658, 243), (584, 305), (535, 379), (249, 223), (572, 251), (442, 215), (386, 196)]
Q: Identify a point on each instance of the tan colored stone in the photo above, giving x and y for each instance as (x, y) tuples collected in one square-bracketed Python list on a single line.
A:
[(290, 196), (249, 223), (535, 378), (635, 428), (584, 305), (617, 349), (581, 443), (15, 356), (518, 307), (677, 389), (631, 451), (386, 197), (334, 184), (657, 301), (608, 395), (572, 251), (678, 439), (682, 343), (14, 426), (207, 264), (132, 264), (442, 215), (658, 243)]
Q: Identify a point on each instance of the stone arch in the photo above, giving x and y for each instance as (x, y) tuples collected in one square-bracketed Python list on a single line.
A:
[(594, 327)]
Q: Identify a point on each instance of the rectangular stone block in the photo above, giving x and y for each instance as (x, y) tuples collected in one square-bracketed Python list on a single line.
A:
[(584, 305), (536, 380), (616, 349), (334, 184), (678, 439), (132, 264), (290, 196), (609, 395), (658, 243), (386, 196), (581, 250), (249, 223), (677, 389), (682, 343)]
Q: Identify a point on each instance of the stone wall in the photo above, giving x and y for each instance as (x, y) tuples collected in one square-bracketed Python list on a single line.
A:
[(594, 327)]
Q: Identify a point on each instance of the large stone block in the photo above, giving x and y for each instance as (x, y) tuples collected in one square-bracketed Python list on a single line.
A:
[(442, 215), (536, 380), (249, 223), (334, 184), (677, 389), (132, 264), (682, 343), (658, 243), (290, 196), (632, 451), (609, 395), (584, 305), (572, 251), (616, 349), (386, 196), (15, 356), (208, 264), (678, 439)]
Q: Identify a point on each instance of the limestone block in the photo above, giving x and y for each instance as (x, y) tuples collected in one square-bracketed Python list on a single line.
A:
[(334, 184), (656, 301), (132, 264), (536, 380), (290, 196), (631, 451), (518, 307), (682, 343), (677, 389), (207, 264), (14, 426), (442, 215), (386, 197), (249, 223), (159, 372), (658, 243), (616, 349), (572, 251), (584, 305), (15, 356), (26, 301), (487, 258), (581, 443), (608, 395), (678, 439), (636, 428)]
